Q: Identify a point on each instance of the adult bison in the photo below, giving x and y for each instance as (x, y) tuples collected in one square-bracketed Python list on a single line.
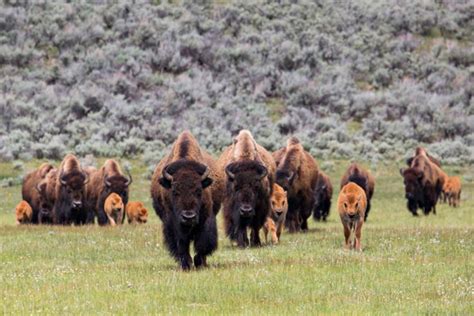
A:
[(103, 182), (297, 172), (29, 189), (423, 181), (322, 197), (250, 171), (47, 192), (362, 178), (69, 193), (182, 194)]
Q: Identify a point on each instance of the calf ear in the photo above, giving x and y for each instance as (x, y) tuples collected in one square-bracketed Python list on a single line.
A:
[(206, 182), (165, 183)]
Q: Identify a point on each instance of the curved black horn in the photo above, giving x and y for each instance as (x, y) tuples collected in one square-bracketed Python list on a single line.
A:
[(130, 180), (264, 172), (229, 173), (206, 173), (61, 176), (107, 182), (166, 175)]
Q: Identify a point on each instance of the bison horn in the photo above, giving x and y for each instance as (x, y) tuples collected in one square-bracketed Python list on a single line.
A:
[(86, 177), (291, 175), (107, 182), (229, 173), (130, 180), (61, 179), (264, 172), (206, 173), (38, 188), (166, 175)]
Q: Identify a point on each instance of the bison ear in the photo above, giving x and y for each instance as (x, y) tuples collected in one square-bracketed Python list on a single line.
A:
[(402, 171), (206, 182), (165, 183)]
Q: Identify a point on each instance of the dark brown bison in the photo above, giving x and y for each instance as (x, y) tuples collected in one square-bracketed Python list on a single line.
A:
[(108, 179), (423, 181), (30, 191), (69, 193), (182, 198), (47, 192), (362, 178), (250, 171), (322, 197), (297, 172)]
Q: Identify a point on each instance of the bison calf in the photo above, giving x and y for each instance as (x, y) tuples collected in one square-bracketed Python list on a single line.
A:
[(113, 207), (322, 197), (24, 213), (352, 204), (453, 191), (276, 220), (136, 212)]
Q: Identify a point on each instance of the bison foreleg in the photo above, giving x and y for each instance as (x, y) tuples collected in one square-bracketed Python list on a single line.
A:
[(183, 254), (205, 242), (254, 237)]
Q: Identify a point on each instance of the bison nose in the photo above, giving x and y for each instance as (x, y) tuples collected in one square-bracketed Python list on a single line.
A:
[(246, 210), (352, 216), (188, 215), (76, 204)]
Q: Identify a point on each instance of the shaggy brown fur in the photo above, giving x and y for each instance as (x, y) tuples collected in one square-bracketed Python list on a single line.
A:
[(424, 182), (351, 205), (276, 220), (23, 213), (114, 209), (108, 179), (250, 171), (29, 189), (297, 173), (47, 192), (452, 190), (364, 179), (69, 193), (422, 151), (183, 199), (136, 213), (322, 197)]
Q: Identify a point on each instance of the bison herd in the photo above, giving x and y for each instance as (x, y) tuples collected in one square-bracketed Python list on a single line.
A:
[(255, 188)]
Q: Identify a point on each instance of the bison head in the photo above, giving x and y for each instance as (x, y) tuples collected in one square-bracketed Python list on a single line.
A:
[(186, 180), (118, 184), (73, 187), (412, 181), (320, 194), (245, 181)]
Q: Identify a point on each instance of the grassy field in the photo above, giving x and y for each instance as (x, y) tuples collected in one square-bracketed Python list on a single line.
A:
[(409, 265)]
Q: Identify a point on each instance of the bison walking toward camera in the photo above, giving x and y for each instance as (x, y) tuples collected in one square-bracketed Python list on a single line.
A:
[(30, 191), (183, 199), (297, 172), (103, 182), (363, 179), (322, 197), (352, 204), (69, 193), (424, 182), (250, 171)]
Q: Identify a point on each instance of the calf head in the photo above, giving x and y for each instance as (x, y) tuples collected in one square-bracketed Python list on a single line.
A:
[(245, 183), (186, 180), (279, 202), (352, 207)]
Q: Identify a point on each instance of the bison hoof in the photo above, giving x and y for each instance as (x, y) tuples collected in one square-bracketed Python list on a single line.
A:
[(200, 261)]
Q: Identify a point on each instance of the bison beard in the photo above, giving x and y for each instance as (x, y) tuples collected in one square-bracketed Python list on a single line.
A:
[(248, 204), (188, 215)]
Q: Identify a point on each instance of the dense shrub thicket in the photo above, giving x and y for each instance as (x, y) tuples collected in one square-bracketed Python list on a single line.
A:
[(363, 79)]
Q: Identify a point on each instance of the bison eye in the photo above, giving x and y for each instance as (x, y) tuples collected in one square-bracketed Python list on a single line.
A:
[(357, 205), (345, 205)]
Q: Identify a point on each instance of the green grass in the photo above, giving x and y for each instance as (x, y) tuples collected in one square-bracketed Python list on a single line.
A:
[(409, 265)]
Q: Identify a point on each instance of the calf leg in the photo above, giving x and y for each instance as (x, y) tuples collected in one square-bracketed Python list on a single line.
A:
[(347, 235), (273, 230), (358, 234)]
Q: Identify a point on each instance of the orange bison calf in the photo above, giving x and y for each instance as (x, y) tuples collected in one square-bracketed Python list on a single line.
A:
[(136, 212), (114, 210), (24, 213), (452, 190), (352, 204), (276, 220)]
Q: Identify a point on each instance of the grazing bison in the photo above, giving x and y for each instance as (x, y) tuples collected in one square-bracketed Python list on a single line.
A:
[(351, 204), (322, 197), (452, 189), (276, 219), (23, 213), (297, 172), (362, 178), (114, 209), (136, 212), (183, 200), (423, 182), (29, 189), (69, 193), (103, 182), (250, 171)]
